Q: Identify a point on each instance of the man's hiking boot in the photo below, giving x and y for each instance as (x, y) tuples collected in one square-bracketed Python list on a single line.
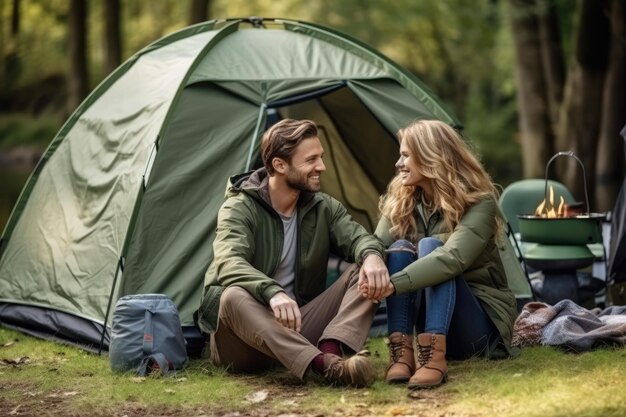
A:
[(401, 358), (356, 371), (433, 369)]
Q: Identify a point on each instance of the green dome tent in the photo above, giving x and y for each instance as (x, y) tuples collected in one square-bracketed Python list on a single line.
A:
[(125, 198)]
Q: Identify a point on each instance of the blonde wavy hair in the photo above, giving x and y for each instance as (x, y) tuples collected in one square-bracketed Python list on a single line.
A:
[(458, 178)]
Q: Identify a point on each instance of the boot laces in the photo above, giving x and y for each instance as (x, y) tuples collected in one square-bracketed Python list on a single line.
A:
[(335, 371), (344, 372), (426, 351), (396, 350)]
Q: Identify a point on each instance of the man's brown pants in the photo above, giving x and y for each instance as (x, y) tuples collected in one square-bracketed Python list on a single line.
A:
[(250, 339)]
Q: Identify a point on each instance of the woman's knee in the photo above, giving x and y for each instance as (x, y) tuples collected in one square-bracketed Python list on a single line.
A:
[(427, 245), (400, 254), (402, 244)]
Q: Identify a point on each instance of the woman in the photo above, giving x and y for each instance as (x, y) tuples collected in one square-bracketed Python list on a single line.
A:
[(440, 220)]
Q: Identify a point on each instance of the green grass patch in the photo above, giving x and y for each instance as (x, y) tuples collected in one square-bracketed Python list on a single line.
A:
[(44, 378)]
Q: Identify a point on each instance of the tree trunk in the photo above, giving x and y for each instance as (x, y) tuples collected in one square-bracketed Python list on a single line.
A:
[(77, 79), (198, 11), (112, 38), (3, 81), (12, 64), (552, 58), (610, 158), (535, 129), (15, 19), (579, 121)]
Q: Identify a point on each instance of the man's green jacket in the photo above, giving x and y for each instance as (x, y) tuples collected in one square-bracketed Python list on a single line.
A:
[(249, 243), (471, 251)]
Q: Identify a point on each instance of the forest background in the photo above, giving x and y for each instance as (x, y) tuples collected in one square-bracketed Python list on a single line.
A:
[(527, 78)]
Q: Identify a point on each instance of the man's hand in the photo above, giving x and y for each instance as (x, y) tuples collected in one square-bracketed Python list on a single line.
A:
[(373, 278), (286, 311)]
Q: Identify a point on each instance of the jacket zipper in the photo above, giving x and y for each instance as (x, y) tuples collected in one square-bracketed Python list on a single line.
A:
[(422, 216), (280, 244), (296, 278), (296, 272), (427, 224)]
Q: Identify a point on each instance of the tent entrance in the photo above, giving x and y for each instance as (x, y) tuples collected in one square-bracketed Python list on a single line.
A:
[(360, 152)]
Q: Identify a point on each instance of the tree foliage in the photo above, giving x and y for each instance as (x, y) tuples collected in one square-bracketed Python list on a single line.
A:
[(464, 51), (581, 109)]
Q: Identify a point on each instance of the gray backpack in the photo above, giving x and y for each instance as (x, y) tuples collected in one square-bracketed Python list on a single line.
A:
[(146, 335)]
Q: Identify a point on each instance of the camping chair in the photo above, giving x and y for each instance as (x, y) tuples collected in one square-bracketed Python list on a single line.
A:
[(522, 197)]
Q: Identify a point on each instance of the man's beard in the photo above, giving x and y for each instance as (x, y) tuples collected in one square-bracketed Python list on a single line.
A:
[(299, 182)]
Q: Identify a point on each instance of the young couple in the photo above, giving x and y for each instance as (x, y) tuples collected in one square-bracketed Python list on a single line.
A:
[(434, 258)]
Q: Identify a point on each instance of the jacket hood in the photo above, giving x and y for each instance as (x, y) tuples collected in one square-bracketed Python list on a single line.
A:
[(256, 184)]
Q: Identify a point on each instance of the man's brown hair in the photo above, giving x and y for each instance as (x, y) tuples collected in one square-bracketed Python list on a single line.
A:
[(282, 139)]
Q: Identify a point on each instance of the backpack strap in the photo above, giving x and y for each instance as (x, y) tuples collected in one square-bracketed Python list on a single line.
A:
[(154, 364), (148, 333)]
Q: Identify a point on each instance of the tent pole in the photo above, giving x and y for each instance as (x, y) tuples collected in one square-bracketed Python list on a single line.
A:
[(120, 267), (255, 135)]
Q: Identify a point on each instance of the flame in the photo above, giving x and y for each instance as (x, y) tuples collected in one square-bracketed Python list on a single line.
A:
[(550, 210)]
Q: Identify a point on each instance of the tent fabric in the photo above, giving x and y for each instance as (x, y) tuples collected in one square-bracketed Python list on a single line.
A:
[(294, 56), (617, 248), (68, 239), (125, 198)]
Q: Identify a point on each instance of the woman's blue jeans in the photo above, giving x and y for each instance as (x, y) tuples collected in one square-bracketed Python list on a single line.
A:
[(447, 308)]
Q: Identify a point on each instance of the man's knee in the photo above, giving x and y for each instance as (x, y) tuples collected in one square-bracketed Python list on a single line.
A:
[(350, 276), (232, 297)]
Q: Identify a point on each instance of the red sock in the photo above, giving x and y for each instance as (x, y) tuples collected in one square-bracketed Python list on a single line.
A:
[(330, 346), (317, 364), (326, 346)]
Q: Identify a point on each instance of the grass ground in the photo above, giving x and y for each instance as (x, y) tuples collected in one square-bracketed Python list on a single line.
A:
[(39, 378)]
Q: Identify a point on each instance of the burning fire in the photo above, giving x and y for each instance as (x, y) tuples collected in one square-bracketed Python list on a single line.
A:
[(550, 210)]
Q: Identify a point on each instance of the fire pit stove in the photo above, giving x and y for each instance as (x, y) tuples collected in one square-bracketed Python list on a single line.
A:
[(557, 238)]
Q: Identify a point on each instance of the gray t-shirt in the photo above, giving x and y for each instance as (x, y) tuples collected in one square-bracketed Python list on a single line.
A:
[(285, 273)]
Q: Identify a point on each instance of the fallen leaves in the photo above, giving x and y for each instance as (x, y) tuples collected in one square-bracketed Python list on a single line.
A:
[(398, 411), (24, 360), (10, 343), (257, 396), (64, 394)]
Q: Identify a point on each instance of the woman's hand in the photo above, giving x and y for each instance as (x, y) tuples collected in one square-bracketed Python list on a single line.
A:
[(286, 311)]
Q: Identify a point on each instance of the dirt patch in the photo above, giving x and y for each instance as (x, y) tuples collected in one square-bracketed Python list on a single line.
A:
[(60, 407), (277, 394), (60, 403), (27, 400)]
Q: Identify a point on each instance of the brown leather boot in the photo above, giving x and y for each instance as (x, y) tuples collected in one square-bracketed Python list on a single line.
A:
[(433, 369), (355, 371), (401, 358)]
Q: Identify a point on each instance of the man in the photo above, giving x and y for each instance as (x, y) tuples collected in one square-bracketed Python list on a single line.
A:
[(265, 300)]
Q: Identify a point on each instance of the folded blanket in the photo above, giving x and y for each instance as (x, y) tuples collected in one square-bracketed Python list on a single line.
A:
[(569, 325)]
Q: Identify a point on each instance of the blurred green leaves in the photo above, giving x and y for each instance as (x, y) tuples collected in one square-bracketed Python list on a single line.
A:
[(461, 49)]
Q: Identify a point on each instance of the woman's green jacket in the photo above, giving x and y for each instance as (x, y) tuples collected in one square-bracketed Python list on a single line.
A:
[(471, 251)]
